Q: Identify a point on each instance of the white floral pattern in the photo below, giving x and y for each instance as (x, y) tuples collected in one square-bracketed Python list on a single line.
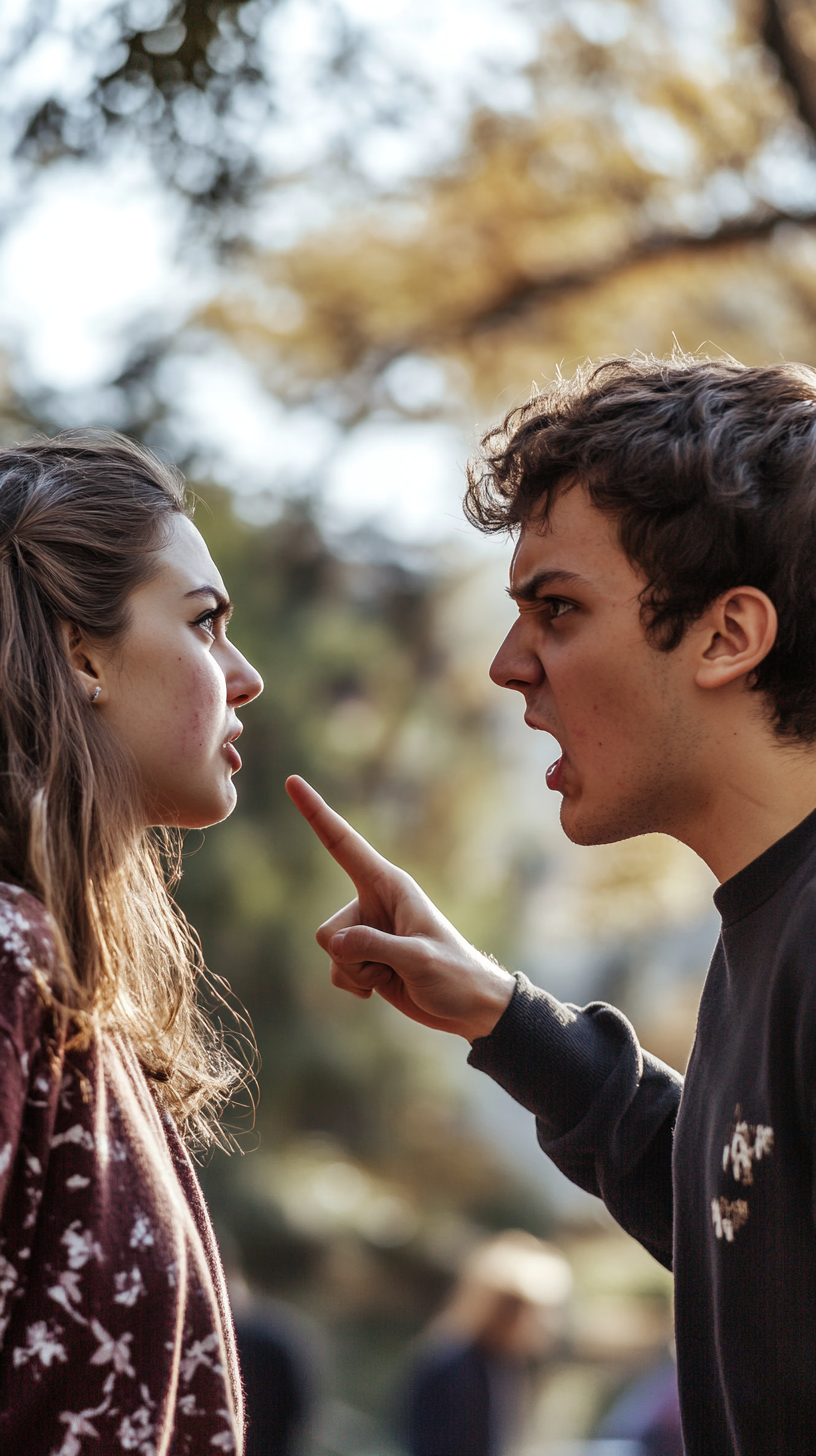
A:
[(200, 1352), (129, 1285), (746, 1144), (66, 1292), (80, 1244), (141, 1234), (117, 1352), (136, 1432), (43, 1343), (79, 1423)]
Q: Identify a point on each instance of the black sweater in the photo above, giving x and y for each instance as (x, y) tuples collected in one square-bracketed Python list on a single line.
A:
[(731, 1208)]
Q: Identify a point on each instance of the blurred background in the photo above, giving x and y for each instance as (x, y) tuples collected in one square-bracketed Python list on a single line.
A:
[(310, 249)]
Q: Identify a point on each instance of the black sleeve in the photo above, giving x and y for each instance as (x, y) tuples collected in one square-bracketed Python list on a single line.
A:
[(605, 1109)]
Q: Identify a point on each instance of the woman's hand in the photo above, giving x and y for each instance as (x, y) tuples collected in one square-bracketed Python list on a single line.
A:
[(393, 940)]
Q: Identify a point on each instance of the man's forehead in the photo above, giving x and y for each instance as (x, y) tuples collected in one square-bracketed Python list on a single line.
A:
[(576, 542), (539, 551), (534, 551)]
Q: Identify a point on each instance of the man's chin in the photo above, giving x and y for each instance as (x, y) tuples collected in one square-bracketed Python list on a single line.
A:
[(588, 826)]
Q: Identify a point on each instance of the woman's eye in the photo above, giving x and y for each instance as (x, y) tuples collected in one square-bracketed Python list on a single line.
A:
[(208, 623)]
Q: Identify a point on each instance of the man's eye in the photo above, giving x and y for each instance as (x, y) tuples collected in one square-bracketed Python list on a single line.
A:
[(557, 608)]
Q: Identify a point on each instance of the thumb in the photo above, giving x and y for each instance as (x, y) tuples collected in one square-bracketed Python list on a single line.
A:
[(403, 953)]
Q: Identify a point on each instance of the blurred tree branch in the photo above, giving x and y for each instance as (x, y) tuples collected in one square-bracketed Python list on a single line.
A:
[(789, 31), (173, 82), (194, 85), (634, 154), (637, 162), (666, 246)]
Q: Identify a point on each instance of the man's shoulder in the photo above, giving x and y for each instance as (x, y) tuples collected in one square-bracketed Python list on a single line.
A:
[(793, 957), (801, 895)]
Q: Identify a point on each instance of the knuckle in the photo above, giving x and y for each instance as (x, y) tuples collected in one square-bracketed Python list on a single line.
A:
[(355, 944)]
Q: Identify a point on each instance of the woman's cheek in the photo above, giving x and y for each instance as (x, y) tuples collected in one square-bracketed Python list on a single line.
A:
[(206, 709)]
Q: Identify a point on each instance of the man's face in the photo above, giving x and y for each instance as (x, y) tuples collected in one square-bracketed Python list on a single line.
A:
[(626, 716)]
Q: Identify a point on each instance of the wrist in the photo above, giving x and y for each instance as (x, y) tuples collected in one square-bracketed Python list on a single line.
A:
[(495, 995)]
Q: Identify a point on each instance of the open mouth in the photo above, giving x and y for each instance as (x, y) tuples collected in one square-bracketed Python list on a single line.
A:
[(556, 771), (555, 774), (232, 754)]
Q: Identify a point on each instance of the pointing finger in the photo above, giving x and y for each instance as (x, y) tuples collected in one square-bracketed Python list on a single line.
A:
[(354, 854)]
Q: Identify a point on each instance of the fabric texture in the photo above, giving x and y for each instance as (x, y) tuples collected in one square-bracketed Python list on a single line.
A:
[(115, 1333), (720, 1185)]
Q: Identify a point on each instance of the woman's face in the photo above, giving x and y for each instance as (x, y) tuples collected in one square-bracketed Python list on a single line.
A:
[(171, 687)]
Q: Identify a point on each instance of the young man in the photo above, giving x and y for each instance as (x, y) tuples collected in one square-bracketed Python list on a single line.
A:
[(665, 576)]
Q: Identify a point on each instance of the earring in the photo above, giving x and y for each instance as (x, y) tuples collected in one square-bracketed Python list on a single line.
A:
[(96, 693)]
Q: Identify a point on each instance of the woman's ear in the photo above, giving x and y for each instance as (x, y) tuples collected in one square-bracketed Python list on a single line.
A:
[(85, 661), (739, 629)]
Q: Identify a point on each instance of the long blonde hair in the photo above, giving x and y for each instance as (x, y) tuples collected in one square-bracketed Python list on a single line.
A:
[(82, 519)]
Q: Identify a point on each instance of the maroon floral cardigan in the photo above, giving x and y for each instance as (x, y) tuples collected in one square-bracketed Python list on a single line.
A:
[(115, 1333)]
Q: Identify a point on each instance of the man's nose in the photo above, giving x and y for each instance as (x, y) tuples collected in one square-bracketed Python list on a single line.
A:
[(515, 665)]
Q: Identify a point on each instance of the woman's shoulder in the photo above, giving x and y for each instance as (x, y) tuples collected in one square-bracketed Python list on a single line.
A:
[(26, 935), (26, 960)]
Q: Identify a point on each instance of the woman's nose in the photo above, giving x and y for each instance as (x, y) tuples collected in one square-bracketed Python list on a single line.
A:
[(244, 683)]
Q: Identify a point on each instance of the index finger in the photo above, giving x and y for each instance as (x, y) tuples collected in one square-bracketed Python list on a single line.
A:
[(353, 853)]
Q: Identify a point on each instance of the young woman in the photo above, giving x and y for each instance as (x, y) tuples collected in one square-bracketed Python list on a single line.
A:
[(118, 696)]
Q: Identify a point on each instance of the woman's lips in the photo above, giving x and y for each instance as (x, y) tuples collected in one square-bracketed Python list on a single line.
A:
[(555, 774), (233, 756)]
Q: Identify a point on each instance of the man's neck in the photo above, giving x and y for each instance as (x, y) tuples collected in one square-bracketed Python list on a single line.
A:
[(758, 795)]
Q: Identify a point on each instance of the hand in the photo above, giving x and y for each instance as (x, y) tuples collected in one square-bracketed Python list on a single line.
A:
[(391, 939)]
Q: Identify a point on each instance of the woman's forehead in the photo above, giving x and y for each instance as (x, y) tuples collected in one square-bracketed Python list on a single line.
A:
[(186, 557)]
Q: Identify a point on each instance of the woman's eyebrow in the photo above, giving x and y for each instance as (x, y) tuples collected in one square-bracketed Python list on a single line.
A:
[(223, 605)]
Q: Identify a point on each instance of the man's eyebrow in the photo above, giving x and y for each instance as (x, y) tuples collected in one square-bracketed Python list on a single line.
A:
[(533, 588), (223, 604)]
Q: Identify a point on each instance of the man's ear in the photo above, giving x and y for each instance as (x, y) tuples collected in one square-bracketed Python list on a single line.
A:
[(85, 661), (739, 629)]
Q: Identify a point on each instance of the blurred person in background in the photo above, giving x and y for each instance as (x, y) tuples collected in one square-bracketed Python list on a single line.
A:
[(118, 721), (647, 1413), (665, 578), (467, 1390), (282, 1358)]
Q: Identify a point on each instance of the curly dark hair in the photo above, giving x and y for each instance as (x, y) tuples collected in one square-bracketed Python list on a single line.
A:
[(708, 467)]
